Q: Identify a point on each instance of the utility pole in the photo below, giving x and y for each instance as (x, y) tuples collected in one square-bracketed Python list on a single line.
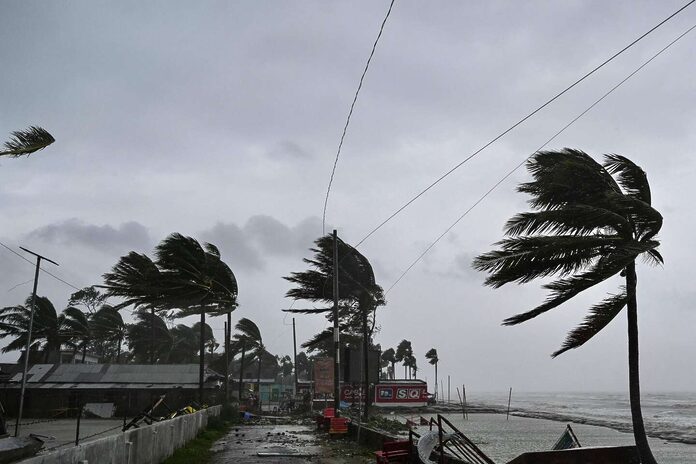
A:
[(294, 355), (337, 346), (31, 325)]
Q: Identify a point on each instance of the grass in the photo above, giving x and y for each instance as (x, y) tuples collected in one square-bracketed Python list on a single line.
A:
[(198, 449)]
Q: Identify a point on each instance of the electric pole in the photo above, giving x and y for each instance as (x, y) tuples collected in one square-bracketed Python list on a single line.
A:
[(337, 347)]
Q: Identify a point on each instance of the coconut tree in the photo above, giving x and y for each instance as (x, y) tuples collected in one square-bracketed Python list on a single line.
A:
[(590, 223), (249, 337), (47, 333), (404, 352), (197, 282), (143, 346), (358, 292), (389, 357), (433, 359), (77, 329), (26, 142), (108, 327), (185, 343)]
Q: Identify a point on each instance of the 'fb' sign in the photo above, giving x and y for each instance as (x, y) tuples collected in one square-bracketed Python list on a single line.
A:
[(401, 394)]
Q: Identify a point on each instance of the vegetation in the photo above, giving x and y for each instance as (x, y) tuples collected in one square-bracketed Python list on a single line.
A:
[(26, 142), (359, 295), (433, 359), (404, 355), (388, 357), (591, 222)]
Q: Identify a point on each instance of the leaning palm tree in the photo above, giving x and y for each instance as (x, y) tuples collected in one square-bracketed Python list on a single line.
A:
[(433, 359), (248, 336), (389, 357), (143, 346), (358, 292), (591, 223), (107, 326), (26, 142), (78, 330), (403, 353), (47, 332), (197, 282)]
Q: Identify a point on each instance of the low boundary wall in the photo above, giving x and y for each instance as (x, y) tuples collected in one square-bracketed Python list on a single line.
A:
[(150, 444)]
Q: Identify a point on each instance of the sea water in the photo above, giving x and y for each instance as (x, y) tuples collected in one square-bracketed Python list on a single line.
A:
[(598, 419)]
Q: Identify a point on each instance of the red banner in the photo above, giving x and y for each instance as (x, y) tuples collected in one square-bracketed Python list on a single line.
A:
[(323, 375), (401, 394)]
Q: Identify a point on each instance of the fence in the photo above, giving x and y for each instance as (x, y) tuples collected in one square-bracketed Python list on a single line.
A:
[(150, 444)]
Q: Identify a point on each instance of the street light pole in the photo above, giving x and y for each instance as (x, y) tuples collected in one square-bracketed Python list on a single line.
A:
[(31, 324)]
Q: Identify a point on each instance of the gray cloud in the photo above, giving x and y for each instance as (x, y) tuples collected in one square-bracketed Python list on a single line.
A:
[(74, 232)]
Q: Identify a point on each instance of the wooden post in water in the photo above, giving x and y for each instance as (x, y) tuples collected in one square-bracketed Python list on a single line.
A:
[(462, 403), (466, 414), (507, 417)]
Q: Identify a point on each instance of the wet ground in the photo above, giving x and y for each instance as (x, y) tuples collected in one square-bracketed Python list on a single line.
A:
[(292, 444), (63, 431)]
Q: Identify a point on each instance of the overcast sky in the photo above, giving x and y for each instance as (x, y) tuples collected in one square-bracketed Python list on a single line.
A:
[(220, 120)]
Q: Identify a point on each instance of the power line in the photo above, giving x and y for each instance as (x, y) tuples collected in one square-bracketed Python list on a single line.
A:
[(44, 270), (509, 129), (350, 113), (489, 191)]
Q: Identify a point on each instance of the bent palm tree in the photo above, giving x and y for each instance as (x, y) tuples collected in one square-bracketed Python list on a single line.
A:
[(108, 327), (27, 141), (389, 357), (141, 342), (433, 359), (587, 227), (47, 332), (78, 330), (249, 337)]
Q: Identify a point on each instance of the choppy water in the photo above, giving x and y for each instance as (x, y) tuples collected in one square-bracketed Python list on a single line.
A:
[(668, 416)]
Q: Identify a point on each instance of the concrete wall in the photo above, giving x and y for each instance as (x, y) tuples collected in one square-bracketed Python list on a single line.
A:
[(150, 444)]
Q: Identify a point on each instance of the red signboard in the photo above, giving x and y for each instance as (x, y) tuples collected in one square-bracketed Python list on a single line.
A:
[(323, 375), (352, 394), (395, 394)]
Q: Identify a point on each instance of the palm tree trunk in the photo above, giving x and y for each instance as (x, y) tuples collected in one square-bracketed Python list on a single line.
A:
[(201, 360), (227, 357), (646, 456), (258, 379), (393, 372), (152, 336), (436, 382), (118, 351), (241, 373), (366, 366)]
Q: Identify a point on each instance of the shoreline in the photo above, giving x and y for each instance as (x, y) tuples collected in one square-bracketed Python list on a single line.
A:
[(673, 436)]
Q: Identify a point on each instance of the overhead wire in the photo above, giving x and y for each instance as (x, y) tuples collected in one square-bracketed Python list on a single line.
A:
[(509, 173), (350, 113), (519, 122), (42, 269)]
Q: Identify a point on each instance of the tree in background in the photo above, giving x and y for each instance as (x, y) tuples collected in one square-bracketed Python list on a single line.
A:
[(248, 336), (109, 332), (88, 298), (432, 358), (389, 357), (359, 295), (48, 334), (26, 142), (304, 366), (587, 227), (143, 345), (404, 352), (77, 330)]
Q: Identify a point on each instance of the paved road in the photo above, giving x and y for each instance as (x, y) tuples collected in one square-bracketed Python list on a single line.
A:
[(294, 444)]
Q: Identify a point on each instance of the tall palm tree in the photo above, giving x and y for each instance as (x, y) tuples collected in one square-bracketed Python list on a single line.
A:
[(389, 357), (185, 343), (404, 352), (198, 282), (26, 142), (249, 336), (359, 294), (433, 359), (590, 223), (47, 332)]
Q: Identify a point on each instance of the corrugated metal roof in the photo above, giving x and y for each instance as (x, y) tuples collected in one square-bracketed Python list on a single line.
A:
[(113, 375)]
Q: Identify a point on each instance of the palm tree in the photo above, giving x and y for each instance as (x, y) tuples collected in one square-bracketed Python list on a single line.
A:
[(77, 330), (142, 344), (249, 337), (432, 358), (26, 142), (208, 337), (388, 356), (359, 294), (107, 326), (403, 353), (591, 223), (198, 282), (47, 332), (185, 343)]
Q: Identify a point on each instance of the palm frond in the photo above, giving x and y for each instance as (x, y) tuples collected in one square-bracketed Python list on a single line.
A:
[(569, 220), (630, 176), (308, 310), (600, 316), (27, 141), (249, 329)]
